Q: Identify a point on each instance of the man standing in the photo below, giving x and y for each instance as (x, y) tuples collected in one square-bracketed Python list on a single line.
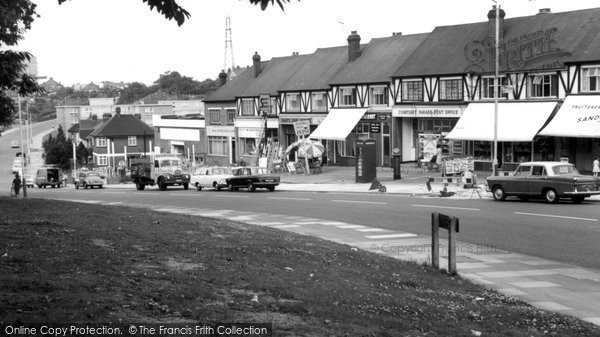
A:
[(16, 184)]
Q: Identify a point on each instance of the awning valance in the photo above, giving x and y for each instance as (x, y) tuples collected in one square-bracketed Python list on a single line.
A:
[(517, 121), (338, 123), (579, 116)]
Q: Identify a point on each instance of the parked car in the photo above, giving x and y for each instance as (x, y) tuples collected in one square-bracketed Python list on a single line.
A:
[(89, 179), (214, 176), (14, 144), (48, 177), (548, 180), (252, 178), (29, 178)]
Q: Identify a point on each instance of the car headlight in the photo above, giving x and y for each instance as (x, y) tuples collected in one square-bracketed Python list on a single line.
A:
[(187, 176)]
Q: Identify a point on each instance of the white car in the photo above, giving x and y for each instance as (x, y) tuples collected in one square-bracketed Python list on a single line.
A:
[(213, 176), (14, 144)]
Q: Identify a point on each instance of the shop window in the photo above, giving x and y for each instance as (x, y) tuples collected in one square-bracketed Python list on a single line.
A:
[(347, 97), (590, 79), (378, 95), (214, 116), (318, 102), (487, 88), (217, 146), (435, 125), (230, 115), (412, 91), (292, 102), (248, 145), (451, 90), (248, 107), (543, 86)]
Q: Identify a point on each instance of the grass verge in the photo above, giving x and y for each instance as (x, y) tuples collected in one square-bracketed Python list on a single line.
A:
[(70, 262)]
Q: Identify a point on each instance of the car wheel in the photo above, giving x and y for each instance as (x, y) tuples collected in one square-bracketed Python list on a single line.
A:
[(45, 186), (271, 188), (578, 199), (140, 187), (186, 186), (100, 186), (551, 196), (498, 193), (76, 186), (52, 186), (161, 185), (39, 185), (198, 187), (251, 187), (218, 188), (85, 186), (230, 187)]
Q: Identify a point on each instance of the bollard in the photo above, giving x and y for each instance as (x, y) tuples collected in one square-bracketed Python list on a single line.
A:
[(452, 225)]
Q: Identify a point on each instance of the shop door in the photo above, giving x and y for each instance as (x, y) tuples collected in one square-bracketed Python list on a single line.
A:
[(385, 143), (233, 151)]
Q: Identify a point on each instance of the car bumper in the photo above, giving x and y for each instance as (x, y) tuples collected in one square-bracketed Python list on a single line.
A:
[(586, 193)]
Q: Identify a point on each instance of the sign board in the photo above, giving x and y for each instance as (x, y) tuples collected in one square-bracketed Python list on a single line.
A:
[(375, 127), (265, 104), (302, 128), (441, 111)]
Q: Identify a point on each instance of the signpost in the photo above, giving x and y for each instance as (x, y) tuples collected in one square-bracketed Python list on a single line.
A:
[(302, 128), (452, 225)]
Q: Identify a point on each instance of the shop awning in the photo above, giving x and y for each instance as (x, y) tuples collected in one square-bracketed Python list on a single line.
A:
[(517, 121), (338, 124), (579, 116)]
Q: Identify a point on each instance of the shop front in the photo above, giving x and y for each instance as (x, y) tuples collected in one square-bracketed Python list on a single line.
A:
[(221, 145), (575, 130), (518, 123), (422, 128), (288, 133)]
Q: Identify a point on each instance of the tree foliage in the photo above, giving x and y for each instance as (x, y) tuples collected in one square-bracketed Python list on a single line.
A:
[(58, 150)]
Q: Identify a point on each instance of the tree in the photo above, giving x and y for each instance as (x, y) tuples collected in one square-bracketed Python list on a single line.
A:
[(58, 150), (82, 154)]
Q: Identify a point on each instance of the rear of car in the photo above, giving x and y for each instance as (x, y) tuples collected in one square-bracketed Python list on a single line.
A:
[(88, 180), (48, 177)]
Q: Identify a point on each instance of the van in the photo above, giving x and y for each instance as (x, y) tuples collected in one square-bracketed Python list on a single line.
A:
[(48, 177)]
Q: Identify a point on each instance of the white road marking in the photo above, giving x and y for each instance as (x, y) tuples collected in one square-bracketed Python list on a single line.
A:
[(231, 196), (371, 229), (361, 202), (266, 223), (286, 198), (448, 207), (390, 236), (285, 226), (557, 216), (112, 192), (350, 226)]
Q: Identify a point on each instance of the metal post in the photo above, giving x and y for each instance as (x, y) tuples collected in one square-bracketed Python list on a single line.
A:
[(24, 183), (435, 240), (495, 154), (452, 247)]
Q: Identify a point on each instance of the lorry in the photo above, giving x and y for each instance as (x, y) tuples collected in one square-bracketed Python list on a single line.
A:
[(162, 170)]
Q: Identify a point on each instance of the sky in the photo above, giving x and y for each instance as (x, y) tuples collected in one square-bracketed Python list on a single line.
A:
[(82, 41)]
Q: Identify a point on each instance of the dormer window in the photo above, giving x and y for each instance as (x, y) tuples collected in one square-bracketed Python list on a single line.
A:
[(590, 79), (544, 85)]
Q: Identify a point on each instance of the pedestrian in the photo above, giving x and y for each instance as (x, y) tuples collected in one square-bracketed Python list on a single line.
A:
[(596, 167), (16, 185)]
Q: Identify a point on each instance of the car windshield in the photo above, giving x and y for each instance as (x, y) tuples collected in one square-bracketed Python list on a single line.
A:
[(561, 170), (92, 174), (259, 170)]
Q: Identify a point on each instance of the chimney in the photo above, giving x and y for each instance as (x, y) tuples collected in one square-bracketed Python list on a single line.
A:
[(118, 111), (295, 53), (256, 64), (94, 117), (544, 11), (353, 46), (222, 77), (492, 24), (106, 117), (397, 34), (138, 116)]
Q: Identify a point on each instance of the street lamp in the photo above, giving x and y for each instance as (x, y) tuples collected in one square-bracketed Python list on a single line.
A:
[(495, 154), (24, 183)]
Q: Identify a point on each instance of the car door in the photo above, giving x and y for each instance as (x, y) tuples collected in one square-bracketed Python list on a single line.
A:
[(517, 185), (537, 180)]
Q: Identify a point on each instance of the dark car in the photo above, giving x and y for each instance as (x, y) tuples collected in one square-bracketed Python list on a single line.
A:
[(252, 178), (547, 180)]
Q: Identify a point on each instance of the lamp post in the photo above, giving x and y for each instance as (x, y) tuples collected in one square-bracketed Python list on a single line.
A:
[(497, 33), (24, 183)]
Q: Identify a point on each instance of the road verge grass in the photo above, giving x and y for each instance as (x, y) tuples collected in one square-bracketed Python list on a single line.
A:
[(72, 262)]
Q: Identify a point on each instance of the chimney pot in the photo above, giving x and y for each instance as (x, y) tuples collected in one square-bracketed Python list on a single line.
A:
[(492, 23), (222, 77), (545, 11)]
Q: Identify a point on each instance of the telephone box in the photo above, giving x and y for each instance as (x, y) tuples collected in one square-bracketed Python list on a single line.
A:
[(366, 160)]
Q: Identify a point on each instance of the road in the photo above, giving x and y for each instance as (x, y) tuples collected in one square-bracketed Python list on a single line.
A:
[(565, 232)]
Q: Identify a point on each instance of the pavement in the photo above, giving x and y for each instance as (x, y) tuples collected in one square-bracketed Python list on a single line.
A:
[(546, 284)]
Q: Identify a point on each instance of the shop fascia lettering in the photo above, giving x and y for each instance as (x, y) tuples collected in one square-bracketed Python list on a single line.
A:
[(428, 112), (223, 131), (594, 115)]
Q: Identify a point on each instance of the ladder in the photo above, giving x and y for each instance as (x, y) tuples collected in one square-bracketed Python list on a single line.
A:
[(257, 153)]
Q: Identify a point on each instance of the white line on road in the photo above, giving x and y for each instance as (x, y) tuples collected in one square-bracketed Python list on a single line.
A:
[(186, 194), (448, 207), (230, 196), (285, 226), (361, 202), (371, 229), (390, 236), (285, 198), (112, 192), (558, 216)]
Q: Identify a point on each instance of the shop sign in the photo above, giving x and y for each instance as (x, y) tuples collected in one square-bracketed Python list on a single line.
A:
[(369, 116), (302, 128), (375, 127), (249, 132), (425, 111), (222, 131)]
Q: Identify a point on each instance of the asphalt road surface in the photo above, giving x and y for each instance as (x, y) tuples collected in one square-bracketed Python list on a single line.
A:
[(565, 232)]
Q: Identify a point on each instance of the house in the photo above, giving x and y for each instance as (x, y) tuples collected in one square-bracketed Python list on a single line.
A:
[(185, 135), (79, 132), (120, 138), (51, 85)]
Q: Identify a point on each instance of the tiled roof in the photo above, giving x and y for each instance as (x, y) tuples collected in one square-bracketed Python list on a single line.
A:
[(86, 126), (379, 59), (274, 75), (234, 87), (575, 37), (316, 72), (122, 125)]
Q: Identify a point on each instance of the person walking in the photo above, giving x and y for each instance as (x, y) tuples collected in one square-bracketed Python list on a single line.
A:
[(596, 167), (16, 185)]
